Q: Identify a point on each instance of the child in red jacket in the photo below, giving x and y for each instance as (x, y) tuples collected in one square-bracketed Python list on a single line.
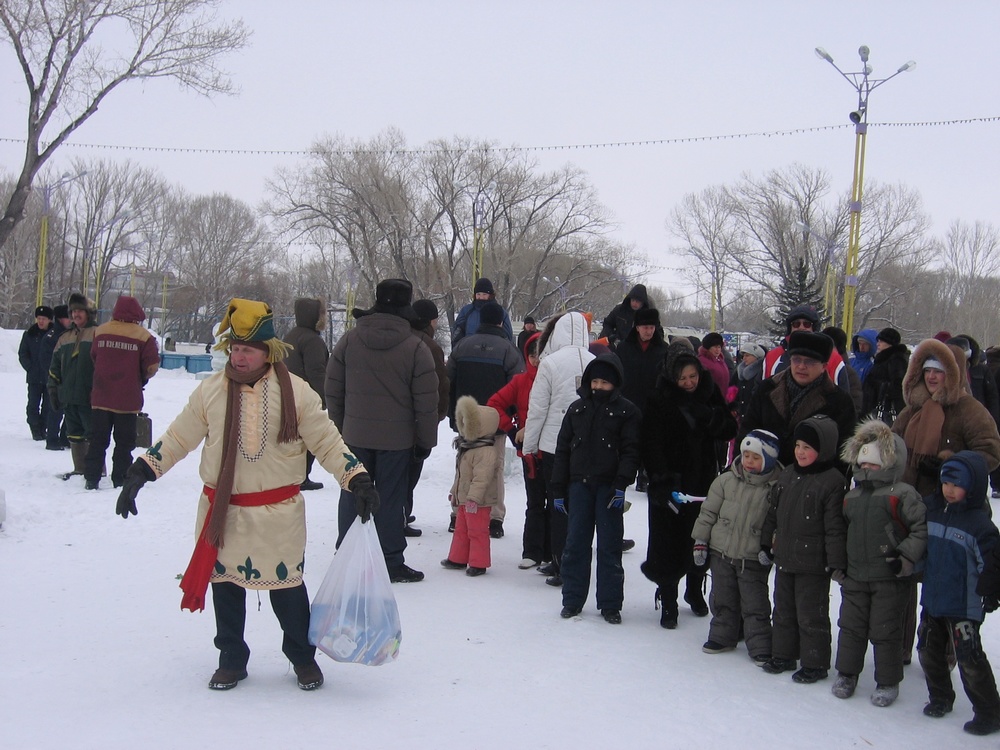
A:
[(511, 403)]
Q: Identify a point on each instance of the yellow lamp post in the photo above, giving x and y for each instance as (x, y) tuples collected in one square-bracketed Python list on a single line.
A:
[(864, 85), (478, 212)]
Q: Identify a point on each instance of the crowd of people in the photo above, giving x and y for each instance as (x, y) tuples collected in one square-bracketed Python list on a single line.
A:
[(866, 466)]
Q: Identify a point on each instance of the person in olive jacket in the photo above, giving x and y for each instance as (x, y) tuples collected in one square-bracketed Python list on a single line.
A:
[(597, 456), (308, 359)]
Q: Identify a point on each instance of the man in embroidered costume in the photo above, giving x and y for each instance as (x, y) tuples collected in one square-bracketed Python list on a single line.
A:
[(257, 421)]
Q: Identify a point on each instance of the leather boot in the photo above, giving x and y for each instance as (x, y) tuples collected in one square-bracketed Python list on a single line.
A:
[(78, 450)]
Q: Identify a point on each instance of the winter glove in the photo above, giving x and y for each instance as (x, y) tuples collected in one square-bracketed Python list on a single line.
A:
[(930, 466), (54, 399), (560, 505), (365, 496), (530, 465), (838, 575), (991, 603), (765, 558), (471, 506), (137, 475), (420, 453), (618, 501), (700, 553), (899, 565)]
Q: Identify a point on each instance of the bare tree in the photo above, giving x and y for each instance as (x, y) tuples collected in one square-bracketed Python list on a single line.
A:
[(69, 65)]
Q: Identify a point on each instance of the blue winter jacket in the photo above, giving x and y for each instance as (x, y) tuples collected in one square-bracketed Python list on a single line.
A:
[(960, 538), (862, 361)]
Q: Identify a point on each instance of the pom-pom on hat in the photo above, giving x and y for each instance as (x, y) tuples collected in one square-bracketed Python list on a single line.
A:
[(807, 344), (890, 336), (491, 314), (251, 322), (765, 444)]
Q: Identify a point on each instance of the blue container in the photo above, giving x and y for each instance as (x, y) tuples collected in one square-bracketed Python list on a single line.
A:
[(171, 361), (199, 362)]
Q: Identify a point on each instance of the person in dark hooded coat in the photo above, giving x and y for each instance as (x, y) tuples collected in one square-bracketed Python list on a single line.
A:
[(619, 321), (308, 359), (882, 389), (684, 417)]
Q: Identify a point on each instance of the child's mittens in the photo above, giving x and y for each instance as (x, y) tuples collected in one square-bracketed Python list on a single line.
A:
[(765, 557), (731, 393), (618, 501), (899, 565), (471, 506), (700, 553)]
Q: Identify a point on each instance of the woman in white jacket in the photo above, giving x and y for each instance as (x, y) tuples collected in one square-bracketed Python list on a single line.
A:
[(563, 359)]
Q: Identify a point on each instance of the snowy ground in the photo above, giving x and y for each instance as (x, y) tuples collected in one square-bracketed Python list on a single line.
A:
[(96, 653)]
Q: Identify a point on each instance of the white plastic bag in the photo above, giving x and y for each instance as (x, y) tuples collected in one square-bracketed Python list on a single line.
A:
[(354, 614)]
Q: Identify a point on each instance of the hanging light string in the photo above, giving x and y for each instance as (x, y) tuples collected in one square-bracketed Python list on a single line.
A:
[(521, 149)]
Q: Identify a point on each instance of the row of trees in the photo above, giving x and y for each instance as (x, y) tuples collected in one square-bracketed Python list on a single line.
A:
[(765, 242)]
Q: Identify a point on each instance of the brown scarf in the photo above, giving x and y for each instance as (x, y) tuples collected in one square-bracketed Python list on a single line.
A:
[(923, 432), (230, 439)]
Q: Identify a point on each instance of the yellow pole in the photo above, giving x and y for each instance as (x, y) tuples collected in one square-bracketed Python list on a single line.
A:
[(97, 286), (712, 291), (350, 298), (131, 282), (163, 308), (830, 295), (854, 240), (43, 247)]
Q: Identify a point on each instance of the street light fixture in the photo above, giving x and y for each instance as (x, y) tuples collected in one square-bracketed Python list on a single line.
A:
[(864, 85), (830, 285), (43, 233)]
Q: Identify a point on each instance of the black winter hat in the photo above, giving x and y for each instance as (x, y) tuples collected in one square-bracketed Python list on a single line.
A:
[(605, 371), (484, 286), (45, 311), (890, 336), (808, 434), (839, 337), (61, 311), (394, 293), (528, 319), (808, 312), (713, 339), (646, 316), (426, 309), (491, 314), (807, 344)]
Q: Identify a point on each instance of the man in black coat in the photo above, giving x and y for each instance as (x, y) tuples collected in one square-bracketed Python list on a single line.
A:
[(35, 354), (620, 320), (308, 359), (801, 391), (479, 366)]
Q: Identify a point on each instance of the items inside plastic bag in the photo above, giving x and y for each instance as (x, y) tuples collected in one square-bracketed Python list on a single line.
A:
[(354, 615)]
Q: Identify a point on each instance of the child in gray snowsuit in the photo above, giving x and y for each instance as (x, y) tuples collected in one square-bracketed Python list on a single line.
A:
[(727, 534), (886, 537)]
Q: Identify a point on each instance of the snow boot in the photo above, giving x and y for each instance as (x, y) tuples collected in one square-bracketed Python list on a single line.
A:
[(776, 665), (809, 675), (937, 709), (668, 606), (78, 450), (845, 685), (226, 679), (612, 616), (885, 695), (982, 725), (472, 572), (308, 676), (714, 647)]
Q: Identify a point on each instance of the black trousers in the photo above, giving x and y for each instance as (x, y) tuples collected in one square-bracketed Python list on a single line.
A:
[(37, 410), (291, 607), (558, 522), (102, 423), (973, 666)]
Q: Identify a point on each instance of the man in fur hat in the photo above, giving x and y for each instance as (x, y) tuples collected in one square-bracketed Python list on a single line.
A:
[(125, 357), (804, 318), (35, 354), (71, 377), (382, 393), (257, 421)]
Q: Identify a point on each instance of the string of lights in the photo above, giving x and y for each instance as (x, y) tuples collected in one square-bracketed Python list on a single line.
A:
[(522, 149)]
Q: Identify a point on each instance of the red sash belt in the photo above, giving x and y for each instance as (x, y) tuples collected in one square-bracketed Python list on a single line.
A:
[(194, 584)]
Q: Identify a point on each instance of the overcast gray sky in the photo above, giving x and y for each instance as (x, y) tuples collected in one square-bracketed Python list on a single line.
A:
[(546, 73)]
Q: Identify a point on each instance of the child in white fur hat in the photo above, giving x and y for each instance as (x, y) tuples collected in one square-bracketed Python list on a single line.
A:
[(729, 527)]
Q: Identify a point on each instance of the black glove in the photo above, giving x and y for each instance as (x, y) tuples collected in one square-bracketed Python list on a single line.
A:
[(54, 399), (991, 603), (420, 453), (899, 565), (137, 475), (365, 496), (930, 466)]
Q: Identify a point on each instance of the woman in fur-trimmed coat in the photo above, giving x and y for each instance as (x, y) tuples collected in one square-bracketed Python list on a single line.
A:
[(684, 417), (941, 417)]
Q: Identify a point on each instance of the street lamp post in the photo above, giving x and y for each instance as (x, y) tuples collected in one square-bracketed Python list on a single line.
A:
[(478, 212), (43, 233), (864, 85), (830, 286)]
